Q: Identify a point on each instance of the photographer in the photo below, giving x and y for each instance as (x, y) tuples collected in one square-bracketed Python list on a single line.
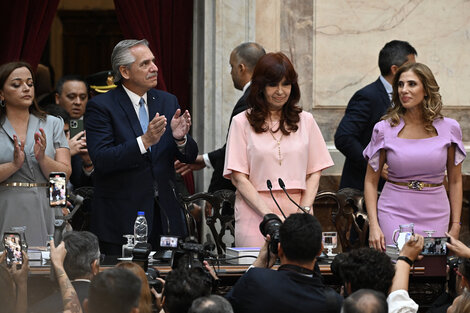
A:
[(13, 285), (458, 296), (295, 286), (81, 264), (399, 299)]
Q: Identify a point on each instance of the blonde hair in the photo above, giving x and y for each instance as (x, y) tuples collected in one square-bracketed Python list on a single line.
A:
[(145, 300), (432, 103)]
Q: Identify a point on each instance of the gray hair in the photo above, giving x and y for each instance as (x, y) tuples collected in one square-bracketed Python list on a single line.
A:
[(122, 55), (82, 249), (211, 304), (249, 53)]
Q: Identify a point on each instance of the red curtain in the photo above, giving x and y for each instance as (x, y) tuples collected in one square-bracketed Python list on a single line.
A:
[(167, 25), (24, 29)]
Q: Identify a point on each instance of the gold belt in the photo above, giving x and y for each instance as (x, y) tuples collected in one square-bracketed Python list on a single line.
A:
[(414, 184), (30, 185)]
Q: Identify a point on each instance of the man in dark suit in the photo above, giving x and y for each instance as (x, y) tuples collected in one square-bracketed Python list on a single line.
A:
[(72, 95), (81, 263), (365, 109), (242, 61), (295, 286), (133, 150)]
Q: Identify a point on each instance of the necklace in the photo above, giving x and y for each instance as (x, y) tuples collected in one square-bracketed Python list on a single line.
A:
[(278, 141)]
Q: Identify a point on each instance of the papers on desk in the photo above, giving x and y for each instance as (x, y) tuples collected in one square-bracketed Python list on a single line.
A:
[(38, 256), (241, 255)]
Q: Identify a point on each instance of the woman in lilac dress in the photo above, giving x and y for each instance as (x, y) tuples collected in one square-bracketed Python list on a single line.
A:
[(419, 145)]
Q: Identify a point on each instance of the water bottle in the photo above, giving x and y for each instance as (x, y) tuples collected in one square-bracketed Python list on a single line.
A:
[(140, 228)]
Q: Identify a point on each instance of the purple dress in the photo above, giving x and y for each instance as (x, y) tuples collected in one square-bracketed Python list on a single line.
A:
[(414, 159)]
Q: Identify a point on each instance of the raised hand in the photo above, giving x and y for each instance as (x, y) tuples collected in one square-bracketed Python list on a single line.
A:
[(40, 144), (180, 124), (155, 130), (18, 152), (77, 143)]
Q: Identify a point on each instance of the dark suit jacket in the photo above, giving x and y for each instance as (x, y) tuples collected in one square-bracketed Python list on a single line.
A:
[(264, 290), (78, 177), (217, 157), (53, 303), (125, 178), (354, 131)]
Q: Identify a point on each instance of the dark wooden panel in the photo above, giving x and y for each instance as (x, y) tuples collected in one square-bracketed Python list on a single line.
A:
[(88, 40)]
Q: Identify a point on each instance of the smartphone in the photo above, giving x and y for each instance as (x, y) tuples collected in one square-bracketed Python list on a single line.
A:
[(14, 252), (435, 246), (76, 126), (169, 242), (57, 189)]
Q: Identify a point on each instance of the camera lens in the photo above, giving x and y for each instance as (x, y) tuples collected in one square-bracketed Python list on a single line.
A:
[(270, 226)]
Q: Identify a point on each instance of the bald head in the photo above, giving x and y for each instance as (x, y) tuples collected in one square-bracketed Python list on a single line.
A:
[(243, 60), (365, 301)]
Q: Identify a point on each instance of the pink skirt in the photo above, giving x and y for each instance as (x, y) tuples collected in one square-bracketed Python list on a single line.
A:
[(247, 233)]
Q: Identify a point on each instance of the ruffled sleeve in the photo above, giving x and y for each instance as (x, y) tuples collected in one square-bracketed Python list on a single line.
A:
[(372, 151), (456, 137)]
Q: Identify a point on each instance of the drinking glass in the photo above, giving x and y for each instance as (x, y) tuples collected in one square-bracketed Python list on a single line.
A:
[(128, 247)]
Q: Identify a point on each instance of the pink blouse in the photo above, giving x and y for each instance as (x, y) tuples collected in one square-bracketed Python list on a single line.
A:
[(302, 152)]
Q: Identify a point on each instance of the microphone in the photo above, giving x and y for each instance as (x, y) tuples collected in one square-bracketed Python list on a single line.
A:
[(283, 186), (270, 187)]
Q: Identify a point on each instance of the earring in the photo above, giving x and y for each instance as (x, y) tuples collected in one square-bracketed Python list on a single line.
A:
[(2, 103)]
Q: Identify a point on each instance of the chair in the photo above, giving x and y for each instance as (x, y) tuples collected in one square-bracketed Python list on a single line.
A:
[(352, 222), (219, 208)]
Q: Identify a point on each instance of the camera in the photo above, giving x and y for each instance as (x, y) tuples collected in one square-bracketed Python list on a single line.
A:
[(270, 226), (188, 254)]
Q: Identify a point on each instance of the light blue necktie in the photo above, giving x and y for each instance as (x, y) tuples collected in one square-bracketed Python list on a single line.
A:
[(143, 117)]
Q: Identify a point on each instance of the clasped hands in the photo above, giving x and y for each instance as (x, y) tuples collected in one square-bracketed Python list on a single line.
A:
[(180, 124)]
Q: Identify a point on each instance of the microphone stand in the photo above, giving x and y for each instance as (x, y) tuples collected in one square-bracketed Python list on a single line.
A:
[(283, 186), (270, 187)]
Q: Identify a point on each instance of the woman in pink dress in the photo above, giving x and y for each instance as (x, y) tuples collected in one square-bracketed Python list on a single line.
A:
[(273, 139), (419, 145)]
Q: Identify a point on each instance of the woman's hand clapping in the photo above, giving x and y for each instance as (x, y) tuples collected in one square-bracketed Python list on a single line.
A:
[(40, 145), (18, 152)]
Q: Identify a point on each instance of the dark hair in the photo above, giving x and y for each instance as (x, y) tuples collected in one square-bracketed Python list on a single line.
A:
[(249, 53), (396, 53), (464, 268), (300, 237), (271, 69), (368, 268), (183, 285), (82, 249), (7, 291), (67, 78), (114, 290), (58, 111), (365, 301), (432, 103), (211, 304), (5, 71)]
